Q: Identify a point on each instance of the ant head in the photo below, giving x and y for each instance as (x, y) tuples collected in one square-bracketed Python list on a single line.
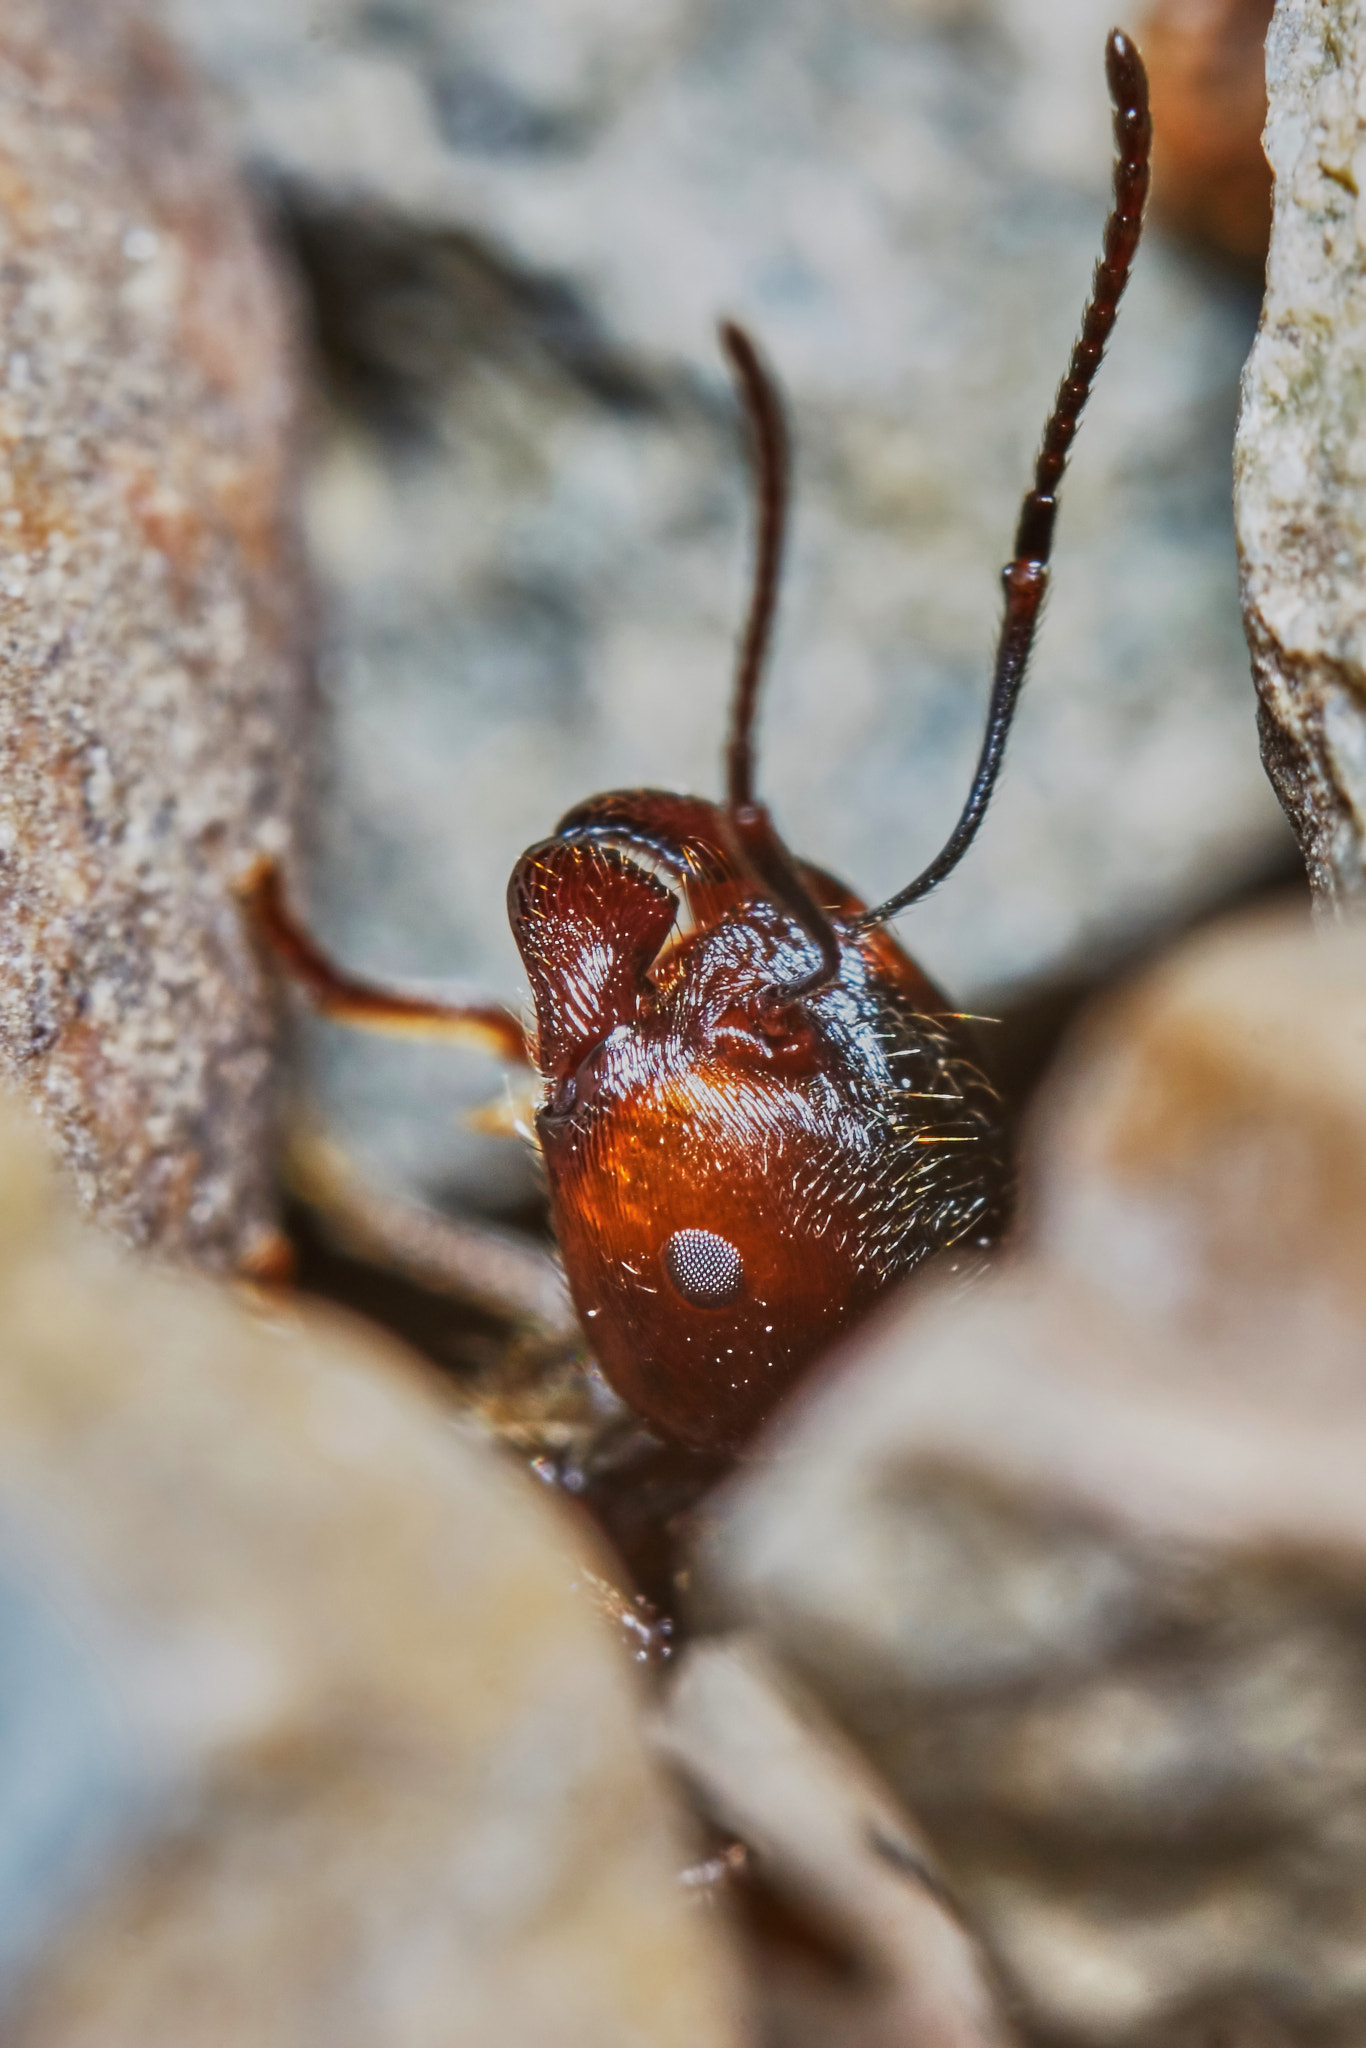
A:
[(638, 915), (728, 1176)]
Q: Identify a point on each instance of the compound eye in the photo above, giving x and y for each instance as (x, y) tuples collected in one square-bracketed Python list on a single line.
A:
[(706, 1269)]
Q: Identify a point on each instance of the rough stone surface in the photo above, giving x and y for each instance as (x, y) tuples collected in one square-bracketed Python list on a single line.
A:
[(150, 643), (1081, 1559), (309, 1734), (1300, 484), (520, 222)]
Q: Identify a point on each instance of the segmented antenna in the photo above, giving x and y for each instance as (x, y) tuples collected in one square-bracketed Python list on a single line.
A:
[(1026, 576), (769, 457), (755, 834)]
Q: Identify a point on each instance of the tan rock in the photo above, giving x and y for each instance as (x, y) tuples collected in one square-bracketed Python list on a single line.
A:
[(1202, 1157), (150, 624), (822, 1831), (1081, 1558), (1300, 489), (1206, 64), (307, 1736)]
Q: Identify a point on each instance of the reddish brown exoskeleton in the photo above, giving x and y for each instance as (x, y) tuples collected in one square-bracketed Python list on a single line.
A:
[(758, 1112)]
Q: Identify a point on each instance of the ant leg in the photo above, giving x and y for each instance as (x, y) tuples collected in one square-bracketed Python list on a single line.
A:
[(334, 993), (444, 1255), (266, 1267)]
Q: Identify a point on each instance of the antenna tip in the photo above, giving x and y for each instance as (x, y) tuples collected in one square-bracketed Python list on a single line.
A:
[(738, 346), (1125, 74)]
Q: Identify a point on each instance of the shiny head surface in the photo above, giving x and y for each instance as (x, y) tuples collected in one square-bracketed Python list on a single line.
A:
[(731, 1183)]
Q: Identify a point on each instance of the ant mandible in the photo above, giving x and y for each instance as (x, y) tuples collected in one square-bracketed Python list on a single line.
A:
[(756, 1120)]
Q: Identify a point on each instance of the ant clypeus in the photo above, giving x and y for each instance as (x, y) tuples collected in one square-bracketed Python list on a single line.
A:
[(758, 1113)]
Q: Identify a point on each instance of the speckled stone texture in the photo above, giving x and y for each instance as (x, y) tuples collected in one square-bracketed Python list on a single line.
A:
[(519, 222), (151, 681), (313, 1735), (1300, 480)]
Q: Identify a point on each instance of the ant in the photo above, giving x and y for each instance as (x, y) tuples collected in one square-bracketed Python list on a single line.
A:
[(758, 1112)]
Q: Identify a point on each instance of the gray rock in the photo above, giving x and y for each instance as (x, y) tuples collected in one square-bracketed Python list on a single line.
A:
[(1301, 496), (1080, 1559), (822, 1831), (520, 223), (150, 626), (311, 1731)]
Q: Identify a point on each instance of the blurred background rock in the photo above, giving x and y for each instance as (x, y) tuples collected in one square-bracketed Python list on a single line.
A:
[(518, 223), (1079, 1558), (310, 1727), (1207, 66)]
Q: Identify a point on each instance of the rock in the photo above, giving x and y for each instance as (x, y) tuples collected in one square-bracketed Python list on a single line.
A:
[(1207, 67), (817, 1826), (519, 224), (1202, 1160), (1080, 1558), (150, 626), (310, 1731), (1299, 494)]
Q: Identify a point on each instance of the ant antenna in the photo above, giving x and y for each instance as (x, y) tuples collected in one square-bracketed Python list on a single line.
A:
[(748, 819), (769, 454), (1026, 576)]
